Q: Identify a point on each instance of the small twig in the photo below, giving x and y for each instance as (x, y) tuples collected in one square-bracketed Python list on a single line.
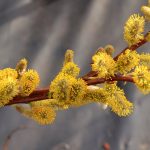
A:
[(89, 74), (133, 47), (9, 137), (116, 78), (106, 146)]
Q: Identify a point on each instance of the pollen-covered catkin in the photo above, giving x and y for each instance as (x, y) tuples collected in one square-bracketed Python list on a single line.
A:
[(117, 101), (67, 91), (133, 29), (127, 61), (78, 90), (60, 88), (104, 64), (28, 82), (8, 72), (141, 77), (145, 60), (71, 69), (43, 114), (9, 88), (98, 95)]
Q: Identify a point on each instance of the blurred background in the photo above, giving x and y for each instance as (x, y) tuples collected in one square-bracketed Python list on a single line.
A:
[(41, 31)]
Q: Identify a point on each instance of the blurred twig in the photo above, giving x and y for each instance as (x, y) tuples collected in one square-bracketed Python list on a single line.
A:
[(62, 146), (106, 146), (9, 137)]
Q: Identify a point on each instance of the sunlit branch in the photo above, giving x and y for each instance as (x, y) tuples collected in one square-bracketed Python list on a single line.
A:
[(42, 93)]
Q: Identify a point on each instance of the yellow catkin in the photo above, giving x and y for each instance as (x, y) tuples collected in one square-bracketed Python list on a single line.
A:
[(127, 61), (9, 88), (67, 91), (43, 115), (117, 101), (71, 69), (133, 29), (141, 77), (121, 106), (104, 64), (98, 95), (78, 90), (146, 11), (28, 82), (60, 88), (8, 72), (145, 60)]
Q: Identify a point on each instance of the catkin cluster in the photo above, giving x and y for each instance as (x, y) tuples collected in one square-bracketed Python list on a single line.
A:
[(69, 90), (17, 82)]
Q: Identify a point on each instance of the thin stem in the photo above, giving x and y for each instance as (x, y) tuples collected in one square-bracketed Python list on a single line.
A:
[(133, 47), (116, 78), (37, 95)]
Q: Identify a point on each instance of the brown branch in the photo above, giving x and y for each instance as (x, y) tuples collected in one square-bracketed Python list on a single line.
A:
[(89, 74), (133, 47), (41, 94), (37, 95), (116, 78)]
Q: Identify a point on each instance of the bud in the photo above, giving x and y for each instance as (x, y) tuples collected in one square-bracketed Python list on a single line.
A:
[(68, 56), (21, 67), (8, 89), (146, 11), (109, 49)]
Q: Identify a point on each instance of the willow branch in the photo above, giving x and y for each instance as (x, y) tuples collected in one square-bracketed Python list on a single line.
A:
[(115, 78), (36, 95), (133, 47), (41, 94)]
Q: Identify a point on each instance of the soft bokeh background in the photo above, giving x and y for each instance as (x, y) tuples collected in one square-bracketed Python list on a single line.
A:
[(41, 31)]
